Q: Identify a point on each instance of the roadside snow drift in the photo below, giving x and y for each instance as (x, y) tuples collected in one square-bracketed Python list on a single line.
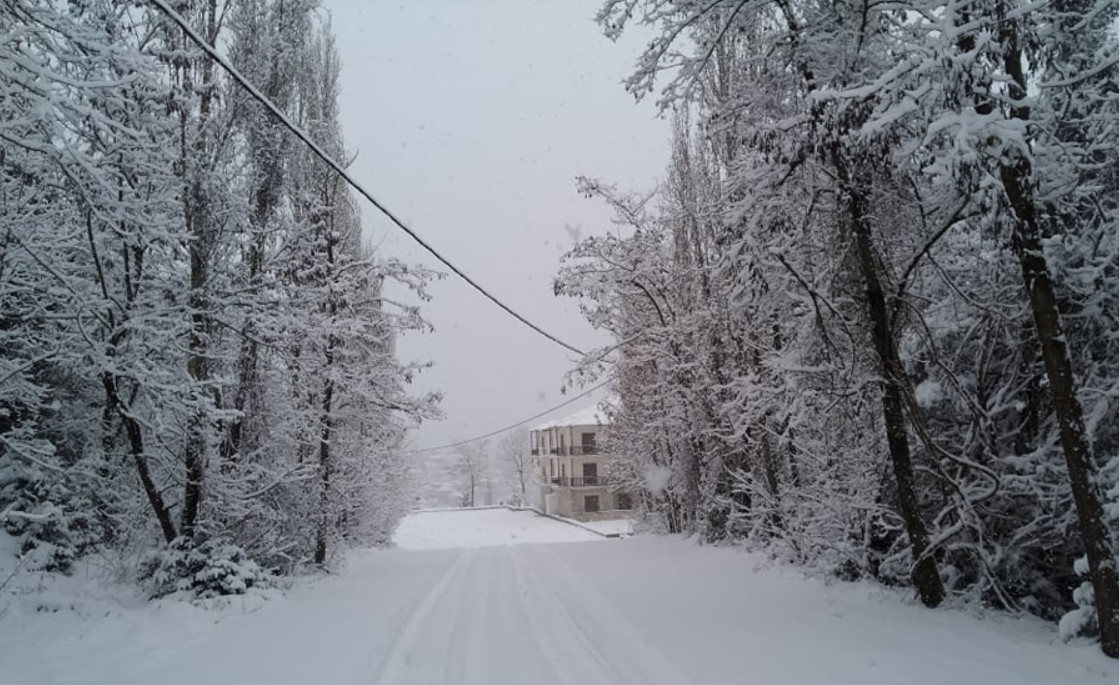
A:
[(483, 528)]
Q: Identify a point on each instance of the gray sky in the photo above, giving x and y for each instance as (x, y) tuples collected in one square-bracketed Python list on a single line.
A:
[(471, 119)]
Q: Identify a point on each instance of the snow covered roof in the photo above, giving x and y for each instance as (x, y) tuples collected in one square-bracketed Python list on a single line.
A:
[(591, 416)]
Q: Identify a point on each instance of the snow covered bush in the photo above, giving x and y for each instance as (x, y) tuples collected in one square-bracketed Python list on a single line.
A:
[(52, 521), (210, 569), (1081, 621)]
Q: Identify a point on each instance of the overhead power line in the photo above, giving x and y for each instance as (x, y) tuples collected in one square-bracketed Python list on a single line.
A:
[(511, 426), (321, 154)]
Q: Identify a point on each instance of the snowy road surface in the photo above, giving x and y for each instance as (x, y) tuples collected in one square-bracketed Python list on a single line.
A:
[(637, 611)]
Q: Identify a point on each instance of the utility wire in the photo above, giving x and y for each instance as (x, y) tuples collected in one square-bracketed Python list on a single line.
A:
[(509, 427), (303, 136)]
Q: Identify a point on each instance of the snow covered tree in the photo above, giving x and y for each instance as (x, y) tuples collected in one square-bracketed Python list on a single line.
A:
[(198, 350), (474, 469), (514, 448), (873, 208)]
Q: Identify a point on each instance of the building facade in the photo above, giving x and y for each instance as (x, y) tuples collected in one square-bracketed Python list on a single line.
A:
[(574, 472)]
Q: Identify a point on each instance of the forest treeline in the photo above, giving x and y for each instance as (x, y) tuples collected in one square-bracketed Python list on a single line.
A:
[(197, 355), (870, 322)]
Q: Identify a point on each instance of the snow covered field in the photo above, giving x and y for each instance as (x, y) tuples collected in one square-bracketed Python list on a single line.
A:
[(483, 528), (640, 611)]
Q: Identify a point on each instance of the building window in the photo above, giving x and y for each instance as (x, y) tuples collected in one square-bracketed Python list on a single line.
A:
[(588, 444), (590, 474), (625, 500), (590, 503)]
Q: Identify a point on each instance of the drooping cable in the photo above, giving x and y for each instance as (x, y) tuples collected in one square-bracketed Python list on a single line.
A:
[(333, 164), (511, 426)]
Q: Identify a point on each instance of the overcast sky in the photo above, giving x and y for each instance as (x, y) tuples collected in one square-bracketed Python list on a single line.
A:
[(471, 119)]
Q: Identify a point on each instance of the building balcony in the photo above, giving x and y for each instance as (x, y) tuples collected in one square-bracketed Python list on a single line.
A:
[(574, 451), (583, 482)]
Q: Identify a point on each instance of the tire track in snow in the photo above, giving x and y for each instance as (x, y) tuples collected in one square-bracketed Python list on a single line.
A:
[(569, 655), (616, 648), (408, 660), (474, 628), (465, 654), (520, 612), (520, 615)]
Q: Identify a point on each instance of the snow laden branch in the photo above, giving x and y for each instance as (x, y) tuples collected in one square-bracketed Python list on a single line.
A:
[(197, 347), (868, 321)]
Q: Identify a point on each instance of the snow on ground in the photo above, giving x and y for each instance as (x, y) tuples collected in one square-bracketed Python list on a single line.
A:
[(483, 528), (614, 528), (643, 611)]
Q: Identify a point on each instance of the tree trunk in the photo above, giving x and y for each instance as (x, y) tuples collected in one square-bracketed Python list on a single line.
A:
[(1062, 391), (772, 483), (110, 384), (1075, 443), (269, 168), (194, 454), (248, 362), (925, 576), (692, 482), (199, 218), (139, 458), (325, 466)]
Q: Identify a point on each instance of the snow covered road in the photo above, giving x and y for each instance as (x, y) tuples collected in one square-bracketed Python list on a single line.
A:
[(640, 611), (511, 616)]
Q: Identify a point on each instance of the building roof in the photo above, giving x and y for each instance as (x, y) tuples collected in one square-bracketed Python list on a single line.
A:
[(590, 416)]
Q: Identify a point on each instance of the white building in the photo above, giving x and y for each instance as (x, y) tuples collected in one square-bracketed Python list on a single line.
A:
[(574, 472)]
